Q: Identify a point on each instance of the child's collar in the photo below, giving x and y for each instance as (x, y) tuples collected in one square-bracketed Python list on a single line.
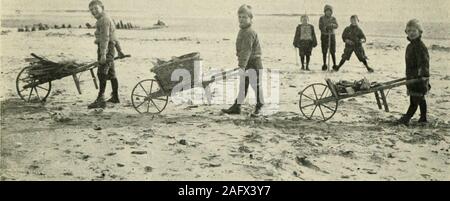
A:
[(416, 39), (245, 26)]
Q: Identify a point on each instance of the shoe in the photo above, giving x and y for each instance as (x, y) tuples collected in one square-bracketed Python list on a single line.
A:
[(258, 109), (336, 68), (307, 67), (99, 103), (403, 120), (324, 67), (370, 69), (303, 68), (113, 99), (234, 109), (423, 120)]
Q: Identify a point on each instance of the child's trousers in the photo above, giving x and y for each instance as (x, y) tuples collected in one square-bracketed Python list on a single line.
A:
[(415, 102)]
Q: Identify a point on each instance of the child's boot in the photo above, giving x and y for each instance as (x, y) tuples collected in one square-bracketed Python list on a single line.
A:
[(98, 103), (114, 98), (234, 109), (404, 120)]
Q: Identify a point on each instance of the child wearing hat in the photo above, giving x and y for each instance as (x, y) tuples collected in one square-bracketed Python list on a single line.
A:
[(327, 25), (305, 40), (105, 39), (248, 52), (417, 67), (353, 37)]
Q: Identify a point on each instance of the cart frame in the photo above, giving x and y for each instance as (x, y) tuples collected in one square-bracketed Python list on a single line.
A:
[(333, 97), (24, 82)]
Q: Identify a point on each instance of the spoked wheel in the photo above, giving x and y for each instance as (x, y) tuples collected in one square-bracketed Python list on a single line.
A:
[(148, 97), (28, 90), (317, 102)]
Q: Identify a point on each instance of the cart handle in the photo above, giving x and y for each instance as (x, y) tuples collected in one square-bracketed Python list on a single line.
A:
[(96, 63)]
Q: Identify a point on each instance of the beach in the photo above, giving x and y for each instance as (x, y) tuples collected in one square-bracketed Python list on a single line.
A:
[(192, 140)]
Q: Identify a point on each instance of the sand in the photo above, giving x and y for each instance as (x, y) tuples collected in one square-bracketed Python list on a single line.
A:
[(195, 141)]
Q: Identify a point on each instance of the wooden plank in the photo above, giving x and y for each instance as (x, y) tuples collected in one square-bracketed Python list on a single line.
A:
[(377, 97), (332, 88), (383, 97), (208, 94), (94, 78), (77, 83)]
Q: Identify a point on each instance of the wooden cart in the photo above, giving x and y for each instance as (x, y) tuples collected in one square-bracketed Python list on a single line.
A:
[(320, 101), (151, 96), (31, 88)]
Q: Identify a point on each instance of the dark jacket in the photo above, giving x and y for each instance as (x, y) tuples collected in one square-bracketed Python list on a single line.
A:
[(298, 34), (417, 62), (247, 46), (353, 33), (327, 25)]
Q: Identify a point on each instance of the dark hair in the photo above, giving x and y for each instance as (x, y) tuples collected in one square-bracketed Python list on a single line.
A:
[(96, 2), (246, 9), (354, 17)]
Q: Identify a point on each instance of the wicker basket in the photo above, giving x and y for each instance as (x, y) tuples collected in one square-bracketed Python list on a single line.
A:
[(190, 62)]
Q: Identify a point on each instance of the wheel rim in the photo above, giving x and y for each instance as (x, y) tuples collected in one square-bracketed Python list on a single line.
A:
[(38, 93), (311, 108), (143, 102)]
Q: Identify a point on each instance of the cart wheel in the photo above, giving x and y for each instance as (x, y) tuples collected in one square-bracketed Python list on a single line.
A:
[(143, 102), (311, 108), (38, 93)]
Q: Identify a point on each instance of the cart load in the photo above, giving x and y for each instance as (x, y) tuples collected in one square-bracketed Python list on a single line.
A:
[(41, 69), (344, 87), (163, 70)]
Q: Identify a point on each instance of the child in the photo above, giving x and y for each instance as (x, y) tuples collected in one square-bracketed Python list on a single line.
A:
[(353, 37), (106, 41), (248, 51), (417, 67), (327, 25), (305, 40)]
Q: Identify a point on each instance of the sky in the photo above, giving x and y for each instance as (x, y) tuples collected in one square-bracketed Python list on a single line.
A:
[(371, 10)]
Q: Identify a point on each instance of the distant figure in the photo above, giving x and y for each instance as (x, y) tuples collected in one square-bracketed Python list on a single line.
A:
[(33, 28), (248, 52), (353, 37), (69, 26), (80, 27), (56, 26), (20, 29), (63, 26), (27, 29), (160, 23), (327, 25), (417, 67), (88, 25), (305, 40)]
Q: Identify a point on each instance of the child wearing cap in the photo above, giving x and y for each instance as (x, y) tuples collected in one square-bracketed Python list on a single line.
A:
[(353, 37), (417, 67), (106, 40), (305, 40), (327, 25), (248, 52)]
